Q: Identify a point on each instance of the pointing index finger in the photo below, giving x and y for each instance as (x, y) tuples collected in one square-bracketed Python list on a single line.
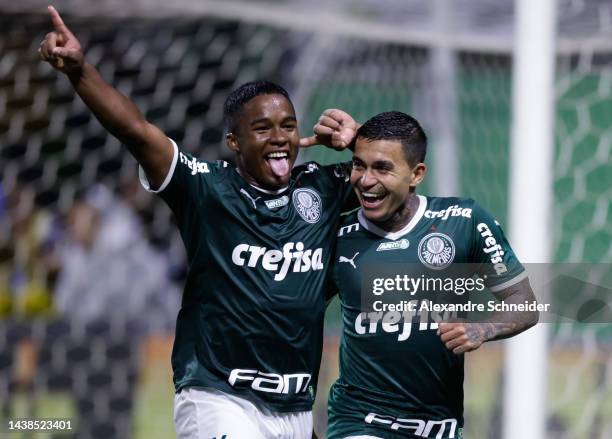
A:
[(57, 21)]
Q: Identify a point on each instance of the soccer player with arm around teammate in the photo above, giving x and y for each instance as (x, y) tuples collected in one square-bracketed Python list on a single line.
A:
[(259, 239), (400, 378)]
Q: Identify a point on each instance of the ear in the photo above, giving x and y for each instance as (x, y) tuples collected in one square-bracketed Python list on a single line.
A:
[(232, 142), (418, 174)]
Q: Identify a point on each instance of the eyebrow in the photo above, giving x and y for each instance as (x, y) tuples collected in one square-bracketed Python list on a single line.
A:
[(267, 119), (377, 163)]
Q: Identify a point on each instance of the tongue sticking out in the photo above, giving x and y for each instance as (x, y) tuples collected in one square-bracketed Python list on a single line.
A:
[(280, 167)]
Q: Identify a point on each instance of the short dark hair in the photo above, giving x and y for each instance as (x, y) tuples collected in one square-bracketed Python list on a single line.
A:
[(395, 125), (243, 94)]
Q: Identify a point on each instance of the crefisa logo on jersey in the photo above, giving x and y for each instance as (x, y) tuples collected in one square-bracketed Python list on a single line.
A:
[(436, 251), (308, 204)]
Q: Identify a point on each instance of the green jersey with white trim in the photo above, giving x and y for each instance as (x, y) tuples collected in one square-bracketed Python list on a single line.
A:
[(397, 379), (251, 318)]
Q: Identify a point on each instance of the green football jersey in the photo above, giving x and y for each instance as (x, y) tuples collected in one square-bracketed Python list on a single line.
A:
[(397, 379), (251, 317)]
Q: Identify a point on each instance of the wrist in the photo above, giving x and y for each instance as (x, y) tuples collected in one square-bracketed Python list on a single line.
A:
[(489, 331), (76, 74)]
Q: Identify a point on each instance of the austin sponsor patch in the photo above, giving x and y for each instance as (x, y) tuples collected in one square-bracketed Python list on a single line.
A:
[(436, 251), (277, 202), (308, 204), (402, 244)]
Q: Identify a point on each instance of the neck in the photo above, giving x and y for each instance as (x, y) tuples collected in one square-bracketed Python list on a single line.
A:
[(402, 216), (253, 183)]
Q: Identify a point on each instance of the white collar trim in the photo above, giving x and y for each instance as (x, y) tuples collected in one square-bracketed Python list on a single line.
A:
[(369, 225), (265, 191), (269, 192)]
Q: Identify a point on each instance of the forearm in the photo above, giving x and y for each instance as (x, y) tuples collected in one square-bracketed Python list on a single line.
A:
[(120, 116), (500, 325)]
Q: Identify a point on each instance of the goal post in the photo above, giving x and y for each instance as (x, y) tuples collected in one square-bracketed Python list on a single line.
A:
[(531, 191)]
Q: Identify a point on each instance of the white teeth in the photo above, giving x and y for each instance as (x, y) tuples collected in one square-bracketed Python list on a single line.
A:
[(277, 155), (370, 195)]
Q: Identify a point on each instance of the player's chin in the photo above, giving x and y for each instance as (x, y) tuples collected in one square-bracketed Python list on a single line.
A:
[(274, 182), (377, 215)]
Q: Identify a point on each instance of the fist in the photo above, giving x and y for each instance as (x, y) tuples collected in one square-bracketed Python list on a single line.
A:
[(335, 129), (461, 337)]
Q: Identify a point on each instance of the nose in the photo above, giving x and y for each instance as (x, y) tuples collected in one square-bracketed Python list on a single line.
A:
[(367, 179), (278, 136)]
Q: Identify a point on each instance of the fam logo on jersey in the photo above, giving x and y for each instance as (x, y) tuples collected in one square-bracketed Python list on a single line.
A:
[(308, 204), (402, 244), (436, 251), (418, 427), (270, 382)]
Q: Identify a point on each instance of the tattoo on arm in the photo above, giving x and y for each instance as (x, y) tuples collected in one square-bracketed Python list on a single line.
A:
[(480, 332), (507, 324)]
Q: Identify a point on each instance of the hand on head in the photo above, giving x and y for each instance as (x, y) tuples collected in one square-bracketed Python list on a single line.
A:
[(60, 48), (335, 129)]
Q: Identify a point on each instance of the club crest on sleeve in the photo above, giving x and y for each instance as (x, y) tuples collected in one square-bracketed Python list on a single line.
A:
[(308, 204), (436, 251)]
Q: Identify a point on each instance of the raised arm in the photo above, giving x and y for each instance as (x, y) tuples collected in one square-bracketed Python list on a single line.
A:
[(462, 337), (147, 143)]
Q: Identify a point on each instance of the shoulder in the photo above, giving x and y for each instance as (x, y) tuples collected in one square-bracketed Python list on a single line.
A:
[(339, 172), (199, 166)]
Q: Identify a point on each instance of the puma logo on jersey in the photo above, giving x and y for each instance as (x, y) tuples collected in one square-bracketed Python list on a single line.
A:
[(271, 382), (279, 261), (253, 200), (350, 261)]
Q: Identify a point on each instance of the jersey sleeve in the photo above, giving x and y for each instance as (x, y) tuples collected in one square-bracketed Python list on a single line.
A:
[(497, 262), (186, 185)]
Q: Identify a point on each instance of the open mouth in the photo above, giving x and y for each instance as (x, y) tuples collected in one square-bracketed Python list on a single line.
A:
[(279, 163), (372, 200)]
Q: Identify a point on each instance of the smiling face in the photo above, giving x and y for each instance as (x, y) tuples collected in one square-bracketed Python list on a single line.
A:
[(266, 141), (384, 182)]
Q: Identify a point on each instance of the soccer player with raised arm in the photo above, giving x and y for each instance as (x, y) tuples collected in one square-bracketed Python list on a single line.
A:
[(398, 377), (259, 238)]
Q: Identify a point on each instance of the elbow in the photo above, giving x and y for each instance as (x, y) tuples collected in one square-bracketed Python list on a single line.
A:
[(134, 133)]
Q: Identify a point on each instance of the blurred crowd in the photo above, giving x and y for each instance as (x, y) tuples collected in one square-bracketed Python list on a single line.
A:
[(98, 258), (80, 287)]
